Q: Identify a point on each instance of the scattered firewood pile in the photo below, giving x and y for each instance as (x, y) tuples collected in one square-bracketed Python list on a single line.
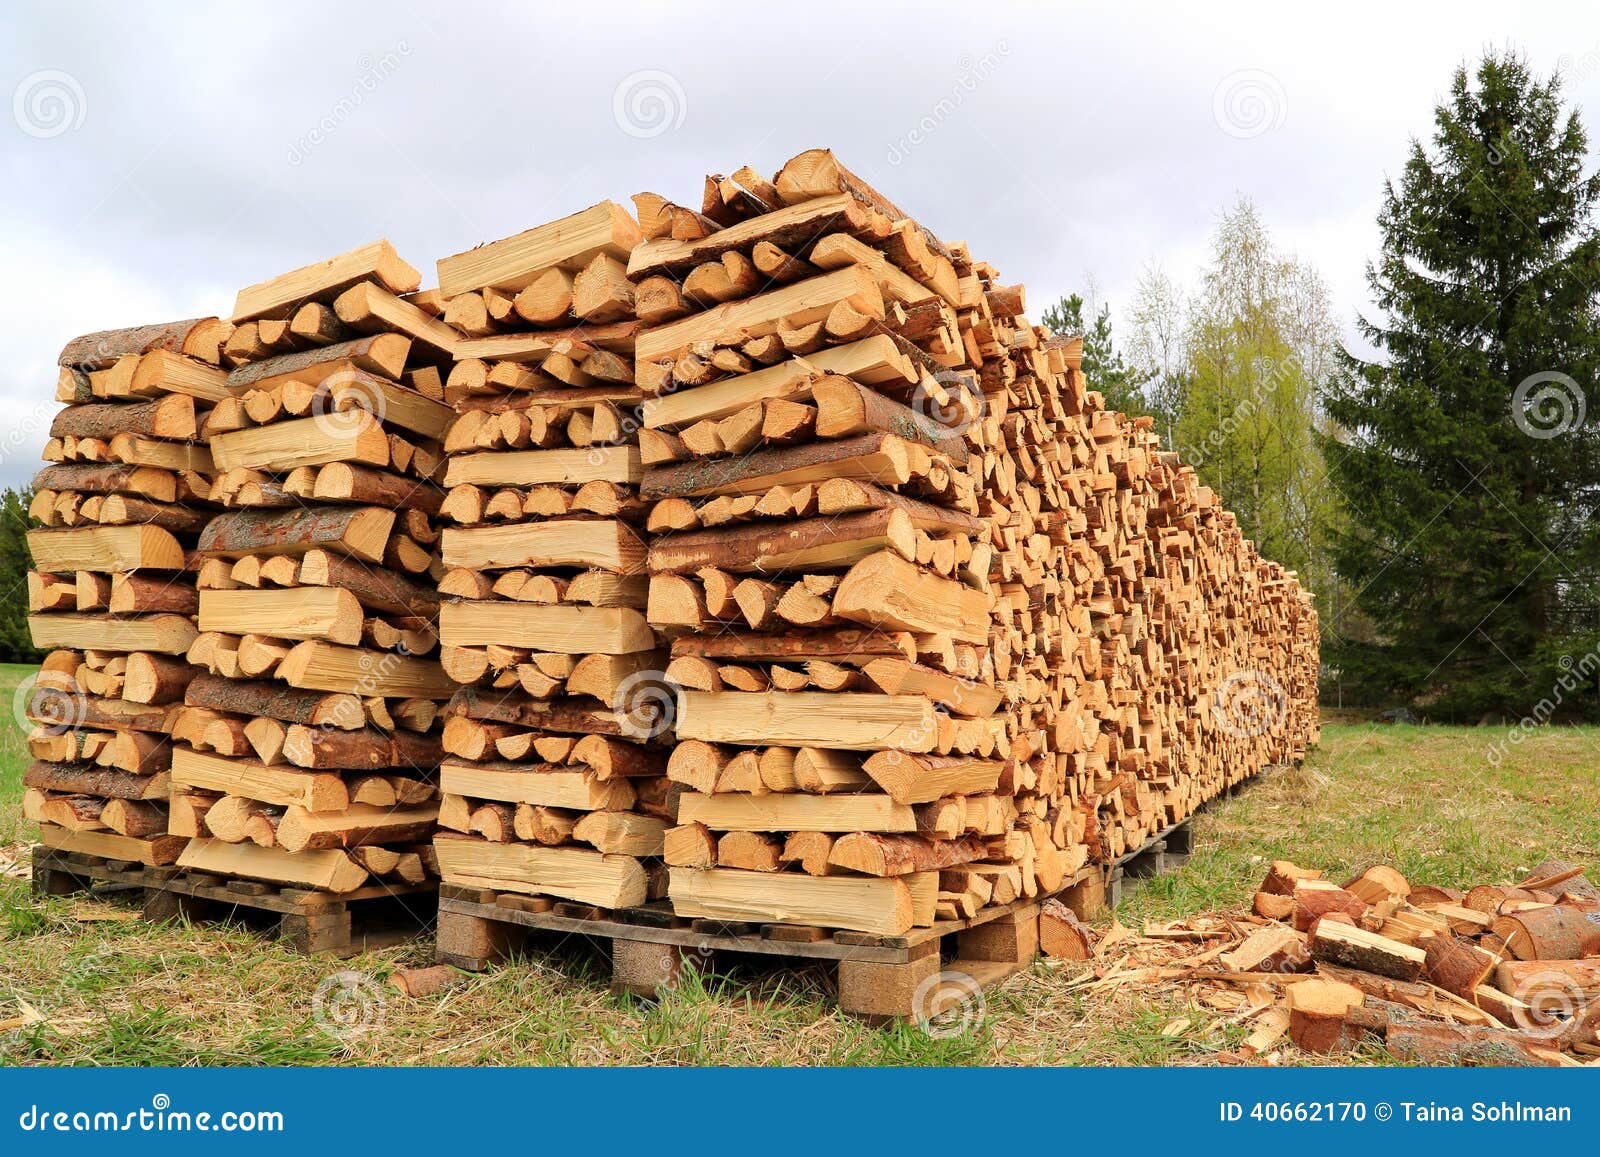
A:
[(1492, 975)]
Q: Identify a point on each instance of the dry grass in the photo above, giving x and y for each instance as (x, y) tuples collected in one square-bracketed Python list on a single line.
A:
[(1426, 799)]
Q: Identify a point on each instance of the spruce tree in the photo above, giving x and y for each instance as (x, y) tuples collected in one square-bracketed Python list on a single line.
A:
[(1461, 450), (1104, 367), (16, 644)]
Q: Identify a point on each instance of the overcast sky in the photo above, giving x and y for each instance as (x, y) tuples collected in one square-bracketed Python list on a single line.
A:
[(159, 157)]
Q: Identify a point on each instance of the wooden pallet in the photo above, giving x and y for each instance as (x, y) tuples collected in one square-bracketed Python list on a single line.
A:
[(1169, 849), (879, 977), (1164, 852), (344, 924)]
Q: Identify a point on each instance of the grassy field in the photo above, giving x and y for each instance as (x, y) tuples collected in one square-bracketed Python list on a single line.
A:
[(120, 992)]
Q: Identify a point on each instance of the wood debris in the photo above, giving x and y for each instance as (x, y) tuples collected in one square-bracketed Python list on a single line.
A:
[(1499, 974)]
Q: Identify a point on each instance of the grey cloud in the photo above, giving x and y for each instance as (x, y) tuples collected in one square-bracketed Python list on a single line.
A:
[(224, 144)]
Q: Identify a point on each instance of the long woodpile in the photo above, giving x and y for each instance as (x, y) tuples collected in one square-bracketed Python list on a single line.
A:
[(1495, 974), (780, 568), (941, 629), (547, 788), (113, 595), (951, 629), (308, 749)]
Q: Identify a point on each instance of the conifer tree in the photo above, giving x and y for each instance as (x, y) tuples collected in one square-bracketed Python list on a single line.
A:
[(1461, 450), (16, 644)]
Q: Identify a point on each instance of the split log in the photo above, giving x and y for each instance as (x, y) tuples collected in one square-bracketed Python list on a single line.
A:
[(331, 870), (1378, 884), (1354, 947), (86, 779), (359, 531), (1457, 967), (888, 855), (156, 679), (1318, 1012), (171, 417), (139, 819), (848, 721), (105, 549), (1273, 948), (351, 482), (369, 749), (383, 353), (1062, 936), (1283, 876), (846, 408), (109, 478), (300, 830), (378, 588), (808, 544), (911, 778), (578, 874), (1416, 1042), (558, 716), (274, 700), (101, 350), (1579, 980), (1553, 933), (280, 296), (858, 903), (134, 593), (878, 457), (1314, 899), (885, 590)]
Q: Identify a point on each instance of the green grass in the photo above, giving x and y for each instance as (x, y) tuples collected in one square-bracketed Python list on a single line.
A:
[(1425, 799), (13, 749)]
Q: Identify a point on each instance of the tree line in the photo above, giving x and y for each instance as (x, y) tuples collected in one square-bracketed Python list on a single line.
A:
[(1434, 481), (16, 645)]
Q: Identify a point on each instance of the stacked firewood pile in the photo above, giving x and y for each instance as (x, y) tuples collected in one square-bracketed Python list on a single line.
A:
[(112, 594), (551, 781), (945, 628), (819, 558), (307, 750), (1496, 974), (778, 566)]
